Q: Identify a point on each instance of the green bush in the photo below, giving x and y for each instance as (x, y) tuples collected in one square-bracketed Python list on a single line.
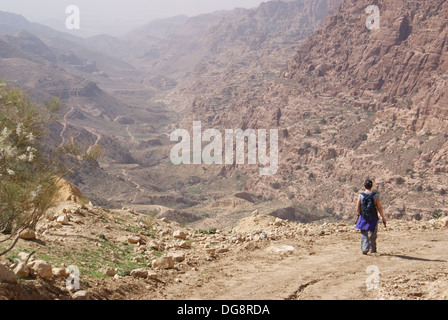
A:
[(437, 214)]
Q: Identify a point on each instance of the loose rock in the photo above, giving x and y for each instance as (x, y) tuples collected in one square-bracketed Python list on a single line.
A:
[(6, 275), (163, 263), (27, 234)]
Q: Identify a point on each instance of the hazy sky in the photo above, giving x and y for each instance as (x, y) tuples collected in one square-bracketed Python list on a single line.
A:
[(115, 16)]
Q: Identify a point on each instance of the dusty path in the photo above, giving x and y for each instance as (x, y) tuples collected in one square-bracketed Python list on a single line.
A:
[(98, 138), (130, 134), (411, 264), (137, 186), (64, 126)]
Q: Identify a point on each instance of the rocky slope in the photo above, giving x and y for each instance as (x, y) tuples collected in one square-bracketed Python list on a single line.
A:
[(354, 103), (247, 50), (101, 97), (350, 103), (122, 255)]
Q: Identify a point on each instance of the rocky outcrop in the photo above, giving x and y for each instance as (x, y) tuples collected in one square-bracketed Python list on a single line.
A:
[(402, 65)]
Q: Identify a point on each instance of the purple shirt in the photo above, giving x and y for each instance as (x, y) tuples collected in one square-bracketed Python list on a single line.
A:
[(363, 224)]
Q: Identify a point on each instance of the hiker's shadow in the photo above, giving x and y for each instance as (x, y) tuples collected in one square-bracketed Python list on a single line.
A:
[(410, 258)]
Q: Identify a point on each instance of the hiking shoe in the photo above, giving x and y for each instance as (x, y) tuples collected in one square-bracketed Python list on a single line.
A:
[(365, 252)]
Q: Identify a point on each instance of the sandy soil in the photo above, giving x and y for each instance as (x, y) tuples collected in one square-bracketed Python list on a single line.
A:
[(411, 265)]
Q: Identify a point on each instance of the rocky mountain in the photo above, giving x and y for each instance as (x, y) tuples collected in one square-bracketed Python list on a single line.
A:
[(91, 87), (348, 102), (249, 48), (356, 103), (138, 42), (209, 59)]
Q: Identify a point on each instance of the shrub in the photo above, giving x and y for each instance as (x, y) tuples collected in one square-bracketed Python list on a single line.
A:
[(275, 185), (437, 214), (27, 181), (28, 170), (208, 231)]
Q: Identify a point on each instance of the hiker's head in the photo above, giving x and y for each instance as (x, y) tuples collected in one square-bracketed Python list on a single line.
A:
[(368, 184)]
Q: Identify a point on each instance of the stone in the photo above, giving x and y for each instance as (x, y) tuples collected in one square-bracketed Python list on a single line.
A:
[(64, 220), (110, 272), (154, 245), (28, 234), (278, 222), (22, 271), (165, 220), (179, 234), (81, 295), (144, 273), (61, 272), (177, 256), (41, 269), (183, 245), (140, 273), (6, 275), (163, 263), (134, 239)]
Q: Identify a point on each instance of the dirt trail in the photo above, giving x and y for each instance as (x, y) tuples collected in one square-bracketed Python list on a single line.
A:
[(64, 126), (98, 138), (130, 134), (410, 264)]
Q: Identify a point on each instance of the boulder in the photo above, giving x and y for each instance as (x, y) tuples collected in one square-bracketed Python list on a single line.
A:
[(61, 272), (27, 234), (179, 234), (163, 263), (63, 219), (144, 273), (134, 239), (41, 269), (6, 275), (177, 256), (154, 245), (183, 245), (81, 295), (22, 271), (139, 273)]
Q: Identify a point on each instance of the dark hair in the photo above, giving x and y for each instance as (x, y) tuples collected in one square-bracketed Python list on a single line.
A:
[(368, 184)]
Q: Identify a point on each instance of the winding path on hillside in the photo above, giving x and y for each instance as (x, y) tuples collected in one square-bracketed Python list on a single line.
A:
[(64, 126), (98, 138)]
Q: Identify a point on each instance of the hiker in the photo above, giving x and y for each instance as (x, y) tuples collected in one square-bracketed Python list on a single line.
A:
[(369, 204)]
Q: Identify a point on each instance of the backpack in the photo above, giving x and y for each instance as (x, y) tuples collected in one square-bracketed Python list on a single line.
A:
[(368, 208)]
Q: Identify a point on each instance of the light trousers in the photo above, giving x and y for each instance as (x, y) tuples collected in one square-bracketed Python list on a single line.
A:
[(368, 240)]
